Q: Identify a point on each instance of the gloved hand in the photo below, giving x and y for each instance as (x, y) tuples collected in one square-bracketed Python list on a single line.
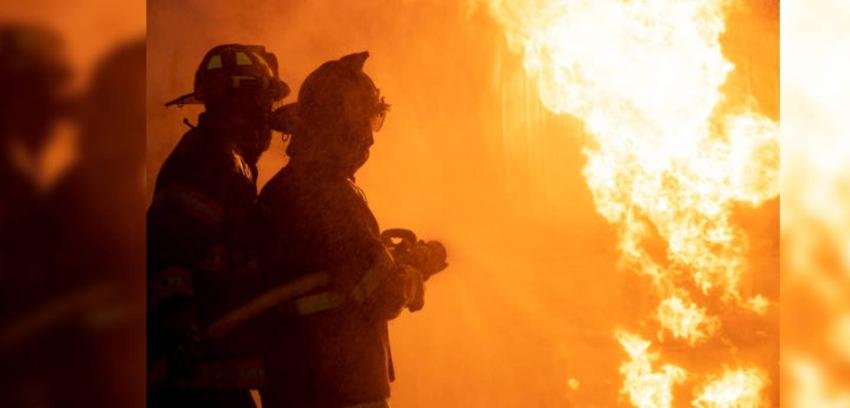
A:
[(416, 287), (418, 260), (429, 257)]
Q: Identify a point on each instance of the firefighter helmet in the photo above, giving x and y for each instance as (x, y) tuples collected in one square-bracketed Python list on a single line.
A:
[(235, 69), (36, 74), (340, 89)]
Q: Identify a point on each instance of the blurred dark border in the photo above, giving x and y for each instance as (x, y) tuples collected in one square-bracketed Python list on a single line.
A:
[(72, 152)]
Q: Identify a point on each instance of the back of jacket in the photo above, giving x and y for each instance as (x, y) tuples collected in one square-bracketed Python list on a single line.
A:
[(201, 256), (330, 348)]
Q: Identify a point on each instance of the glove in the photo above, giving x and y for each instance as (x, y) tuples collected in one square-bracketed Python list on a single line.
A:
[(429, 257), (418, 260), (416, 294)]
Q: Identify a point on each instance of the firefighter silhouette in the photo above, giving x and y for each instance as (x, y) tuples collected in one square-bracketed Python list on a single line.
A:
[(330, 347), (100, 205), (70, 250), (33, 100), (36, 75), (200, 233)]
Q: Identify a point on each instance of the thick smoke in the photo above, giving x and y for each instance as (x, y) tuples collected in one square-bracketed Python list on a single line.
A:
[(468, 156)]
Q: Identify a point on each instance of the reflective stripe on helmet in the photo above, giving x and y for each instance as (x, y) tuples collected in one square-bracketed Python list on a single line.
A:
[(264, 63), (243, 59), (237, 80), (214, 62), (226, 67)]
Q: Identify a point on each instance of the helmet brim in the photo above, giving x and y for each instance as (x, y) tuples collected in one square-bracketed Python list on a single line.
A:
[(188, 99)]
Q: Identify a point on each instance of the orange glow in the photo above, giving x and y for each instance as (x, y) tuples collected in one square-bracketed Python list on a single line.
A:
[(669, 159), (734, 389), (815, 217), (658, 163), (88, 30), (684, 319), (645, 386), (525, 196)]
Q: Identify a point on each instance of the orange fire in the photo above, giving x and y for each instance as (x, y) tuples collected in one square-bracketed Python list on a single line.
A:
[(734, 389), (815, 220), (644, 385), (685, 320), (668, 160)]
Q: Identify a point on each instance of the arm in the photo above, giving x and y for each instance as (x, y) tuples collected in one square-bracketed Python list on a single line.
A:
[(339, 236), (187, 239), (176, 248)]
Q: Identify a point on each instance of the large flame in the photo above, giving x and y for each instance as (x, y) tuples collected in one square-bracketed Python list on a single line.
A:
[(740, 388), (815, 220), (644, 385), (685, 320), (669, 156)]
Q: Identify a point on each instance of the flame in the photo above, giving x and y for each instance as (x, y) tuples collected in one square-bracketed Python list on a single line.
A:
[(573, 384), (740, 388), (815, 222), (757, 304), (645, 386), (669, 156), (685, 320)]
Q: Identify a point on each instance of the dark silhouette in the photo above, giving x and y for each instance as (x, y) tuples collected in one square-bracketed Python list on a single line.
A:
[(201, 257), (33, 99), (71, 254), (330, 348), (99, 206), (36, 75)]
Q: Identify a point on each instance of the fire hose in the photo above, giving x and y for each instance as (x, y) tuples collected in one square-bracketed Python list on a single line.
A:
[(429, 257)]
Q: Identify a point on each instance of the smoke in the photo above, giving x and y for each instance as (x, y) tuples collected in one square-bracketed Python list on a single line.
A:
[(469, 156)]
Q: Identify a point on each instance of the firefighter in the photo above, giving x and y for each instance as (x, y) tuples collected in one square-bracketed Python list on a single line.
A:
[(35, 99), (34, 353), (201, 258), (330, 348)]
